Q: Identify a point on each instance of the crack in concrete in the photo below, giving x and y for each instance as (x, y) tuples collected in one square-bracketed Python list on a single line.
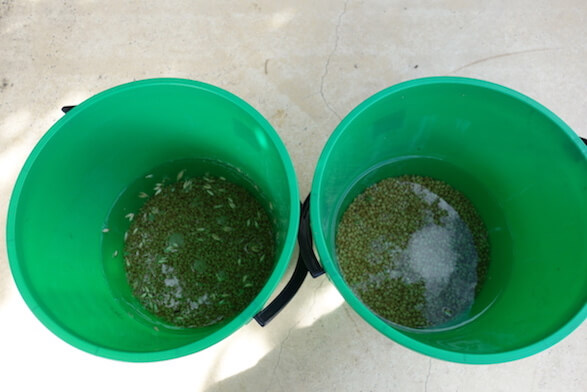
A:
[(278, 361), (350, 316), (325, 73), (428, 375), (284, 341)]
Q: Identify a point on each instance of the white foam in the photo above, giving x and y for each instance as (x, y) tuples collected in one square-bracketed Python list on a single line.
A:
[(202, 300), (431, 254), (178, 292), (426, 195)]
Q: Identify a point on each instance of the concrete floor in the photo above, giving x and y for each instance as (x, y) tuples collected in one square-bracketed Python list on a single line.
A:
[(304, 65)]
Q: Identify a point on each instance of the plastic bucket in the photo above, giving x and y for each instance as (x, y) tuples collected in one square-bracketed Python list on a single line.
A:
[(76, 175), (523, 169)]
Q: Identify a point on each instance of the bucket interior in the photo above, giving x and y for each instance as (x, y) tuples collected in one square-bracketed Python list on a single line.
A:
[(521, 167), (79, 172)]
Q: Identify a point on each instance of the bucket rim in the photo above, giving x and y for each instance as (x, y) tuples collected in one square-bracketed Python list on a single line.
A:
[(236, 323), (336, 278)]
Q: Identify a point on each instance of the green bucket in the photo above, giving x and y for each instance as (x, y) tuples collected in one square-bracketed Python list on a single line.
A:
[(72, 187), (522, 168)]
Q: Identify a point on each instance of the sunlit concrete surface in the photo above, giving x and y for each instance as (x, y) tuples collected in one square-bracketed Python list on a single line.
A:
[(303, 65)]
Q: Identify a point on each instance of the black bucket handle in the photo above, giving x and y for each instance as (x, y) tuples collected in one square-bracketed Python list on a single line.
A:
[(307, 262), (306, 243)]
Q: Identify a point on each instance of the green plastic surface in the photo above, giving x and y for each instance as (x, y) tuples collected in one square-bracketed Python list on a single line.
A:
[(76, 173), (523, 169)]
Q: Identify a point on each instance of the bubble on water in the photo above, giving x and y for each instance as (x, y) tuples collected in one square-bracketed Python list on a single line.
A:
[(202, 300), (171, 282), (176, 239), (424, 193), (431, 254), (178, 292)]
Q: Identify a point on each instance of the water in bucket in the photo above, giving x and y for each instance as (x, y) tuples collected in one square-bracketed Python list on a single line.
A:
[(414, 250), (418, 256), (188, 245)]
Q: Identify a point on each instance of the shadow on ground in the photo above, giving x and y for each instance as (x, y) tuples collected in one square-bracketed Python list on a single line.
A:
[(337, 346)]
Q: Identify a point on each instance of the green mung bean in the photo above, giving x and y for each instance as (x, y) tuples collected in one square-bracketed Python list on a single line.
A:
[(183, 262), (414, 250)]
